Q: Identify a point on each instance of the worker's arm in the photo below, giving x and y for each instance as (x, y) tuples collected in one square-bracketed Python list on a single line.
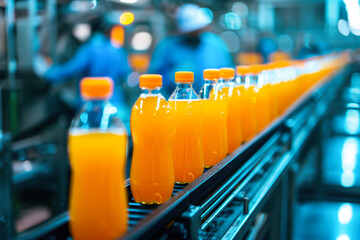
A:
[(73, 67)]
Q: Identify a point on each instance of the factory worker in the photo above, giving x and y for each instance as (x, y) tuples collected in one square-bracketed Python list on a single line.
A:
[(98, 57), (193, 50)]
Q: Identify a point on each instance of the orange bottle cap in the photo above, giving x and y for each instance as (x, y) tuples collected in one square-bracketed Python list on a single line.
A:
[(150, 81), (227, 73), (96, 88), (211, 74), (184, 76), (280, 64), (256, 68), (242, 69)]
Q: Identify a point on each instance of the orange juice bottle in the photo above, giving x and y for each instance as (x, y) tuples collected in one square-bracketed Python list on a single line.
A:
[(152, 168), (268, 79), (187, 110), (215, 141), (232, 96), (97, 151), (249, 102), (281, 85), (262, 107)]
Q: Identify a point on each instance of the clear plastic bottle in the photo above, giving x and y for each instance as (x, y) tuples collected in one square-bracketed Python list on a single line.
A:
[(187, 110), (232, 96), (97, 152), (262, 107), (152, 169), (215, 142), (249, 123)]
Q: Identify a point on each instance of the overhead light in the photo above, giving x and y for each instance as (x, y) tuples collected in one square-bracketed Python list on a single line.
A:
[(343, 237), (141, 41), (128, 1), (345, 213)]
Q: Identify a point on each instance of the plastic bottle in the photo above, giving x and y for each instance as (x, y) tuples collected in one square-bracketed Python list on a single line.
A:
[(232, 95), (215, 141), (262, 107), (187, 110), (152, 169), (97, 151)]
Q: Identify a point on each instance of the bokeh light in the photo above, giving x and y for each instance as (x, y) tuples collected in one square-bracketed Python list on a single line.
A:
[(141, 41), (343, 27), (240, 8), (126, 18), (232, 21), (82, 31), (232, 40), (345, 213), (286, 43), (117, 36)]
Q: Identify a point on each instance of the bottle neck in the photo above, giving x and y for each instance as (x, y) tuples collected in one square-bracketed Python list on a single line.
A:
[(229, 82), (184, 84), (97, 101), (221, 80), (209, 81), (251, 80), (240, 79), (150, 90)]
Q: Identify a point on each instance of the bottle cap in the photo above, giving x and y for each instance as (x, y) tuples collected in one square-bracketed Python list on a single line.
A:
[(242, 70), (227, 73), (256, 68), (150, 81), (211, 74), (183, 76), (280, 64), (96, 88)]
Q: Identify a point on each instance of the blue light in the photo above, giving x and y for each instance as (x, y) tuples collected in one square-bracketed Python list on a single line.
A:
[(352, 121), (345, 213), (343, 237), (349, 154), (232, 21), (347, 179)]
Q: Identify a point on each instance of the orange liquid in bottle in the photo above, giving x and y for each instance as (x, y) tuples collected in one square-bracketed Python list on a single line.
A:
[(262, 108), (98, 205), (232, 95), (152, 169), (281, 89), (187, 141), (249, 120), (215, 141), (271, 99)]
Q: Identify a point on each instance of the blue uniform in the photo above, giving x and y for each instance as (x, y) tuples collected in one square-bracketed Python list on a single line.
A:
[(183, 53), (96, 58)]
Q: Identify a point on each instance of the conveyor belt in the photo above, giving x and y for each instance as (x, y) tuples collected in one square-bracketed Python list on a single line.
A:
[(231, 193)]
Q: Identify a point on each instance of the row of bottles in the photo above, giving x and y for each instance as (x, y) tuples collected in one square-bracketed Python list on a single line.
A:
[(173, 140)]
